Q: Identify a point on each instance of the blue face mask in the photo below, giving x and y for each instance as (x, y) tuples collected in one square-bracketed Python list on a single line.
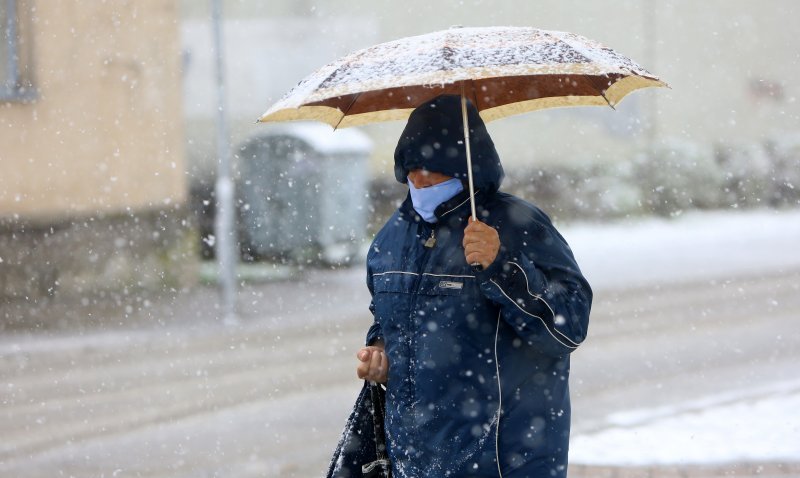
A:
[(426, 200)]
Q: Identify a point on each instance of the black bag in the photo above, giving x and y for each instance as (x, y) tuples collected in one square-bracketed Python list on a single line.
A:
[(361, 451)]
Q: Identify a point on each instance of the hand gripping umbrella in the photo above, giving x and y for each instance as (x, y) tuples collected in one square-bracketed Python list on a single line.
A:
[(503, 71)]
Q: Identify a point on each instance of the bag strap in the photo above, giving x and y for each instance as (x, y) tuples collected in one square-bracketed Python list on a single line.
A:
[(378, 410)]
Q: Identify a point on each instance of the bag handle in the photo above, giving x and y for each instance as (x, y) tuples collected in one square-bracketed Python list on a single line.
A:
[(378, 409)]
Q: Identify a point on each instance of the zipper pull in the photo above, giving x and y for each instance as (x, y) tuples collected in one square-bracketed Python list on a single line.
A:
[(431, 241)]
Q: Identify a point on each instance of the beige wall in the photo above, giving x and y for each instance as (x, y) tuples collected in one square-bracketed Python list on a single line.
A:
[(105, 133), (713, 53), (732, 65)]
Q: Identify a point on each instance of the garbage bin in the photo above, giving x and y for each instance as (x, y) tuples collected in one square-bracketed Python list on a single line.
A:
[(303, 193)]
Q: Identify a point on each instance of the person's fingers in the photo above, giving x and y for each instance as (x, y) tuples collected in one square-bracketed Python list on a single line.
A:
[(475, 259), (384, 366), (375, 365), (362, 370), (480, 228), (473, 246), (374, 359), (476, 226), (476, 253), (471, 231), (474, 239), (363, 355), (477, 233), (483, 254), (381, 372)]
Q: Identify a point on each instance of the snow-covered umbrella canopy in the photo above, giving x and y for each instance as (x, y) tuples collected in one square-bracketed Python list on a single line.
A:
[(503, 71)]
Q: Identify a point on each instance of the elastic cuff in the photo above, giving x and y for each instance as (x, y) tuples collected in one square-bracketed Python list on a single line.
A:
[(494, 268), (373, 334)]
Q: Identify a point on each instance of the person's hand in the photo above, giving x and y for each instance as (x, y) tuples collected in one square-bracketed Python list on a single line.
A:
[(481, 243), (373, 364)]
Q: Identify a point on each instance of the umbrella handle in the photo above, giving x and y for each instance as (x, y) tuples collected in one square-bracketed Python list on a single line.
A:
[(476, 265), (469, 153)]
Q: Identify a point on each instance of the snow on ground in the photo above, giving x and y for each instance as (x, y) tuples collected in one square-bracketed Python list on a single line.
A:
[(723, 429), (695, 246), (751, 425)]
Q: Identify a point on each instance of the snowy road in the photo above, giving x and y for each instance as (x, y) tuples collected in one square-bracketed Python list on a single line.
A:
[(687, 321)]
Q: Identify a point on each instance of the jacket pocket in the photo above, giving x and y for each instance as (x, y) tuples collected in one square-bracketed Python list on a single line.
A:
[(444, 284), (402, 282)]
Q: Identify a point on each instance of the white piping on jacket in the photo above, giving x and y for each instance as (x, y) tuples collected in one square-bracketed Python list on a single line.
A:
[(394, 272), (535, 316), (500, 399), (424, 273), (538, 297), (464, 202), (447, 275)]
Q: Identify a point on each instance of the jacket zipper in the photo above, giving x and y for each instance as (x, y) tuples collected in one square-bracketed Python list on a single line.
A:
[(428, 248)]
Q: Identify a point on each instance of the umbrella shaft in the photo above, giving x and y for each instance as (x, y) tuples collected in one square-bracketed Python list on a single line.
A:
[(469, 154)]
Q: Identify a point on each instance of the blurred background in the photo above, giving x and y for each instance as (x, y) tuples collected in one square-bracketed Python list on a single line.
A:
[(682, 206)]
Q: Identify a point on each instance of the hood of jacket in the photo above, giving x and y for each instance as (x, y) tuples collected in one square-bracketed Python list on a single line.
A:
[(433, 139)]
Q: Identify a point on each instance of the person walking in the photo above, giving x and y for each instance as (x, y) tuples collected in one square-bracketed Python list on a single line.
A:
[(474, 318)]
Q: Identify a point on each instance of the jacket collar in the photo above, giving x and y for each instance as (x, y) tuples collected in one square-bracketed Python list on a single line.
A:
[(455, 207)]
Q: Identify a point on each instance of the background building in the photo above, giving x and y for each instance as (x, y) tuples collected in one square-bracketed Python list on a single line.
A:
[(92, 169), (728, 62), (724, 135), (107, 120)]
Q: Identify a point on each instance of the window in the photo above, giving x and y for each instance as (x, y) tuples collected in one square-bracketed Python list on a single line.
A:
[(15, 81)]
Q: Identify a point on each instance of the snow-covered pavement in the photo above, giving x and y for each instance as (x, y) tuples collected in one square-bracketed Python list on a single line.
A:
[(760, 425), (692, 359), (757, 423), (696, 246)]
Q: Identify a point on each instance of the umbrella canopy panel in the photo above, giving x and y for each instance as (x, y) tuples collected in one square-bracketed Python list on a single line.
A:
[(503, 70)]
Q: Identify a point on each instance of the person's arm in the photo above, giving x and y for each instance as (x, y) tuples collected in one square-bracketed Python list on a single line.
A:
[(374, 334), (536, 283), (373, 364)]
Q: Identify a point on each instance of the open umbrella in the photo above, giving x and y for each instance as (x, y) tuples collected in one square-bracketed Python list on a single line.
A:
[(503, 71)]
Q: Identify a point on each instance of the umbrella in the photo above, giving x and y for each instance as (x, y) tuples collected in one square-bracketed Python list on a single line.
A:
[(503, 71)]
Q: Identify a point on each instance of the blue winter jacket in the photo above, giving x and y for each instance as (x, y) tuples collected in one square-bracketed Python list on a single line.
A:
[(479, 360)]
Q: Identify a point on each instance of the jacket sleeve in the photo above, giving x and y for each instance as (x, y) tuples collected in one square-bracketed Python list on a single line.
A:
[(374, 333), (539, 289)]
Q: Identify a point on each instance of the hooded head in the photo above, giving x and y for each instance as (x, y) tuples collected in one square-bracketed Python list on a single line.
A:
[(433, 140)]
